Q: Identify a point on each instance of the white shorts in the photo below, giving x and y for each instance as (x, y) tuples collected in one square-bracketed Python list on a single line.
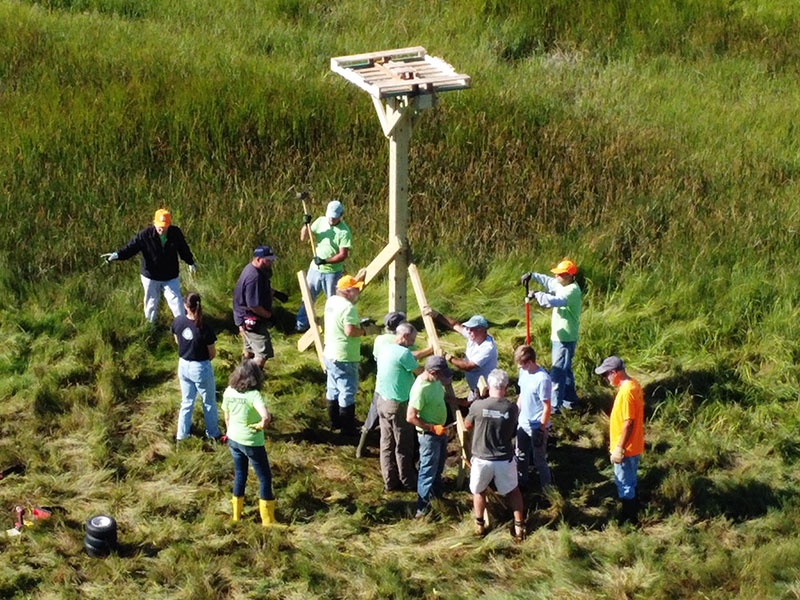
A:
[(504, 473)]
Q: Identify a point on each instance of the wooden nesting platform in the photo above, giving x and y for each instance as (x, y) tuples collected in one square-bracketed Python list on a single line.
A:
[(400, 72)]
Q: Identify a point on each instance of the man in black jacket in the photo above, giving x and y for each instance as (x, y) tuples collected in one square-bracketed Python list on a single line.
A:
[(160, 245)]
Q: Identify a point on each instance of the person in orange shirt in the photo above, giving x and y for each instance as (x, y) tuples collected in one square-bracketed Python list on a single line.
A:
[(626, 432)]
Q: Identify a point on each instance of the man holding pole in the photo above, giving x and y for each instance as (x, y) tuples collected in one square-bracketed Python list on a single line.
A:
[(534, 416), (564, 296), (331, 241), (252, 305), (481, 354)]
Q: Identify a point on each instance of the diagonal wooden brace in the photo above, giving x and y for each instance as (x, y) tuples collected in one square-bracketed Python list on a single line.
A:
[(312, 317), (380, 262)]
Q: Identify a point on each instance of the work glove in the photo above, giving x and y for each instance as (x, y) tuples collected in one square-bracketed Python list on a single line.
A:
[(617, 455), (427, 311), (109, 257), (192, 269), (538, 437), (306, 219), (369, 326), (320, 261), (525, 278), (438, 430), (282, 296), (447, 356)]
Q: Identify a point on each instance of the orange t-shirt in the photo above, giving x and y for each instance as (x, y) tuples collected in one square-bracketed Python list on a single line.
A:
[(628, 404)]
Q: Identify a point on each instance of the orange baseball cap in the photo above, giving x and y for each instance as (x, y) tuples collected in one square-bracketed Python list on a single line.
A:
[(565, 266), (348, 281), (161, 218)]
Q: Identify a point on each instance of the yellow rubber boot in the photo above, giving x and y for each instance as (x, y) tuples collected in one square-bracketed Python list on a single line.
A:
[(237, 502), (267, 510)]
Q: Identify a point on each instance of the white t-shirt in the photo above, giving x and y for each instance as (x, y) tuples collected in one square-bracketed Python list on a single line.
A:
[(484, 355)]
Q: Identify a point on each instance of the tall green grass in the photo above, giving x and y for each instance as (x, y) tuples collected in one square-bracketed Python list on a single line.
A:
[(654, 143)]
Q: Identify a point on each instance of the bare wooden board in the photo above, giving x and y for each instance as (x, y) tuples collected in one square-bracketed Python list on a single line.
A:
[(312, 317), (419, 292), (307, 339), (384, 258), (366, 274)]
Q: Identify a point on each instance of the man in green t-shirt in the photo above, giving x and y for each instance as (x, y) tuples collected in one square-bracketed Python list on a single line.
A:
[(564, 297), (396, 370), (343, 353), (428, 412), (332, 240)]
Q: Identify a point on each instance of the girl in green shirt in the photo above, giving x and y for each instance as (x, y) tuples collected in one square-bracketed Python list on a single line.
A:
[(246, 415)]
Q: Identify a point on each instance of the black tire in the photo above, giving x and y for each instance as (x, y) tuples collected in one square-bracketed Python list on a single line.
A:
[(98, 543), (102, 527), (94, 548)]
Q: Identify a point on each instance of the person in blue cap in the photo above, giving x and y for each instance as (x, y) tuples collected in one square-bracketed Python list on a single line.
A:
[(480, 358), (252, 305), (332, 240)]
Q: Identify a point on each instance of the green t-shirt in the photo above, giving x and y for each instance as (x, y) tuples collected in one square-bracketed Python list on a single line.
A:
[(395, 377), (382, 340), (339, 312), (428, 398), (241, 413), (329, 239), (565, 321)]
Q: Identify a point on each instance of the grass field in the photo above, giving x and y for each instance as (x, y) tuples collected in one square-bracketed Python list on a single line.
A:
[(654, 143)]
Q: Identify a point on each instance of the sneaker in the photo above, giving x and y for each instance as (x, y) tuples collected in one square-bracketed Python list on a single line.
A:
[(420, 514)]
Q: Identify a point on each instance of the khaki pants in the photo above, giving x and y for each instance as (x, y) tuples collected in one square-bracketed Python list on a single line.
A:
[(397, 445)]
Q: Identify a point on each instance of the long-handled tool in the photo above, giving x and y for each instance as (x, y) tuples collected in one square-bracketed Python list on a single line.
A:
[(527, 312), (302, 196)]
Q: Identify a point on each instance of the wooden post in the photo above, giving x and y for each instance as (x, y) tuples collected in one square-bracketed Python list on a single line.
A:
[(419, 292), (400, 111), (312, 317)]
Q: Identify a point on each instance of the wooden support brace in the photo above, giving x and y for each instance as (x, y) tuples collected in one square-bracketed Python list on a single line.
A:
[(422, 301), (312, 317), (380, 262), (384, 258)]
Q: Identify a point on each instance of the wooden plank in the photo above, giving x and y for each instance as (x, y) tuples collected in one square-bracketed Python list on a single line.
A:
[(384, 258), (312, 317), (307, 339), (367, 274), (422, 301)]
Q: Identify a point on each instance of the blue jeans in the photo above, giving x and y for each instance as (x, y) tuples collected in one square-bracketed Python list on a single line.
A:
[(342, 383), (256, 456), (317, 282), (432, 454), (561, 374), (625, 476), (197, 377)]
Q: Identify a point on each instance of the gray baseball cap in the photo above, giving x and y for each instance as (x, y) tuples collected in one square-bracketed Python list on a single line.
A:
[(612, 363)]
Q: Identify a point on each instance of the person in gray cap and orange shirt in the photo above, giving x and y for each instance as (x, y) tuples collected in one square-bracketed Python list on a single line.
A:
[(626, 432), (252, 305), (160, 244), (332, 240), (564, 296), (481, 355)]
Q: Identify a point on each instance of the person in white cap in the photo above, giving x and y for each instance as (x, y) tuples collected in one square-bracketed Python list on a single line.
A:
[(564, 296), (481, 354), (332, 240), (626, 432), (160, 245)]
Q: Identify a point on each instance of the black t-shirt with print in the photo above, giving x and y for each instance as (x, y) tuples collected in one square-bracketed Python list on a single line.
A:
[(193, 343)]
